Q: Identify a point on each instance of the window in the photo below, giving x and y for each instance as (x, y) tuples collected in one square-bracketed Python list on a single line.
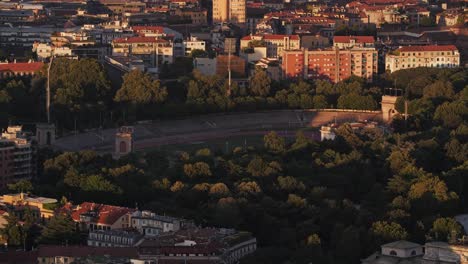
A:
[(413, 253), (393, 253)]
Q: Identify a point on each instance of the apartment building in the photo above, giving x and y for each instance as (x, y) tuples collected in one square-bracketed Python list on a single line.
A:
[(151, 224), (113, 238), (238, 66), (443, 56), (192, 44), (17, 156), (42, 207), (347, 42), (152, 50), (333, 64), (198, 16), (233, 11), (275, 44)]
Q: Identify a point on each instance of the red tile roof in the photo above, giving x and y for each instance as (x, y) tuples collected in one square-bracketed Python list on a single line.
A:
[(106, 214), (358, 39), (140, 40), (84, 251), (429, 48), (29, 67), (279, 37)]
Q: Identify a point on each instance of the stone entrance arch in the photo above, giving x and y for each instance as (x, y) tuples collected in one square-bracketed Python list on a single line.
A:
[(388, 107)]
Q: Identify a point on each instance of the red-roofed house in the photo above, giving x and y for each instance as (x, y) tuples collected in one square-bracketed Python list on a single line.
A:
[(94, 216), (443, 56), (275, 44), (149, 31), (19, 69), (152, 50), (344, 42)]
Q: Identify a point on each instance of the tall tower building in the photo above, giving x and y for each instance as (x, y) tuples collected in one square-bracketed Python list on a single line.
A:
[(229, 11)]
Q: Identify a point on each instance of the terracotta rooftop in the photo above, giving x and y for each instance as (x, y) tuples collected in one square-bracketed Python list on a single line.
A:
[(358, 39), (429, 48), (105, 214), (21, 67)]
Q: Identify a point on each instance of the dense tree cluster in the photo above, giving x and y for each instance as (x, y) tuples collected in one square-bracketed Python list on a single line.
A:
[(83, 96), (325, 202)]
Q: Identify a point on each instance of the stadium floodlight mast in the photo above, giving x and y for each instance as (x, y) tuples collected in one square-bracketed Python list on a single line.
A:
[(48, 89)]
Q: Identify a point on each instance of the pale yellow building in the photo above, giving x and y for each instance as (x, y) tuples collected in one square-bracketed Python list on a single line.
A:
[(42, 205), (442, 56), (232, 11)]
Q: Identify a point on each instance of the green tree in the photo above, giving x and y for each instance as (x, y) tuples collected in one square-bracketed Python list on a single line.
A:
[(260, 83), (320, 102), (273, 142), (60, 230), (355, 101), (197, 169), (139, 88), (219, 190), (12, 232), (21, 186), (313, 240), (249, 188), (290, 184), (296, 201), (388, 231), (446, 229), (452, 114), (439, 89), (177, 186)]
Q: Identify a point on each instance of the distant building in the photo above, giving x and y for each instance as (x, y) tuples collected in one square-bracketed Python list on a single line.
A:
[(192, 44), (152, 50), (347, 42), (314, 42), (332, 64), (206, 66), (443, 56), (92, 216), (275, 44), (11, 69), (238, 66), (271, 67), (18, 154), (83, 254), (198, 16), (114, 238), (254, 54), (396, 252), (42, 207), (151, 224), (231, 11), (413, 253)]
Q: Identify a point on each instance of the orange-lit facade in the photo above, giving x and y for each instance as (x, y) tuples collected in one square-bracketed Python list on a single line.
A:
[(237, 66), (332, 64)]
